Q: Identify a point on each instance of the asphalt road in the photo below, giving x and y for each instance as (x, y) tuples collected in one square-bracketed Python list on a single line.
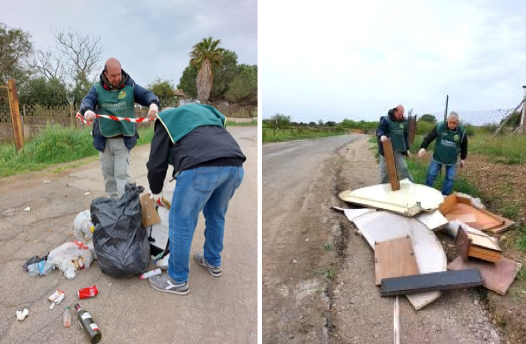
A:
[(297, 188), (127, 310)]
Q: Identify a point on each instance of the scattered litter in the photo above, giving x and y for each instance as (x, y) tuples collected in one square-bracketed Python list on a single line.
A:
[(71, 256), (33, 260), (21, 315), (88, 292), (27, 209), (307, 240), (87, 323), (56, 298), (67, 317), (47, 181), (87, 193), (149, 274), (83, 227), (163, 263), (41, 268), (294, 261)]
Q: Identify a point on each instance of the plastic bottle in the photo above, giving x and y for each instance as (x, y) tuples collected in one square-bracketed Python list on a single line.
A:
[(67, 317), (86, 321), (41, 268)]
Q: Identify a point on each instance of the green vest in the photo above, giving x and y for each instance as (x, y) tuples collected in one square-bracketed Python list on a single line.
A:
[(397, 132), (447, 145), (119, 103), (182, 120)]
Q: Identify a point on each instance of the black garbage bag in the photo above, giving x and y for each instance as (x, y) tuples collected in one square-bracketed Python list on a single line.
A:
[(120, 240)]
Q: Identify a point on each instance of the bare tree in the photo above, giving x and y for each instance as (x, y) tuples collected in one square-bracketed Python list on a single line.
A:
[(48, 63), (15, 46), (81, 53)]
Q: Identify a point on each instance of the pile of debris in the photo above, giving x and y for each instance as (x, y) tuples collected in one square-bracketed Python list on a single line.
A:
[(400, 227)]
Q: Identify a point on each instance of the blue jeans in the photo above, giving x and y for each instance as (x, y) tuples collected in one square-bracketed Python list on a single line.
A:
[(206, 189), (434, 169)]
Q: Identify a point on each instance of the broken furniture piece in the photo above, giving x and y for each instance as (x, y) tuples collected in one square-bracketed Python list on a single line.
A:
[(380, 226), (479, 246), (394, 258), (460, 208), (498, 277), (444, 280), (410, 200), (391, 165)]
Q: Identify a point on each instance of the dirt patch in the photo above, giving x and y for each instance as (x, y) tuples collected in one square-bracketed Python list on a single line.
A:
[(503, 191)]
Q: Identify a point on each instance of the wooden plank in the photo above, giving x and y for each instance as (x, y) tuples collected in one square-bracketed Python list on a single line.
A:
[(15, 115), (498, 277), (391, 166), (478, 246), (394, 258), (411, 129), (445, 280)]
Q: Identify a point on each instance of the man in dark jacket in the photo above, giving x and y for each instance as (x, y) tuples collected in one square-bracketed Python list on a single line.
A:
[(115, 94), (394, 127), (451, 139), (207, 164)]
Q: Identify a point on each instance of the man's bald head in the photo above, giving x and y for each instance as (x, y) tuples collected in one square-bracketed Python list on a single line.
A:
[(399, 112), (112, 71)]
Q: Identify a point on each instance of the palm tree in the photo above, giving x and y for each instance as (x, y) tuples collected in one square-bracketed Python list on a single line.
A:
[(204, 56)]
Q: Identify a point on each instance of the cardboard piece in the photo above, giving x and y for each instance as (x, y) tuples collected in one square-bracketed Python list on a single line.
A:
[(479, 246), (433, 220), (149, 214), (456, 207), (498, 277), (394, 258)]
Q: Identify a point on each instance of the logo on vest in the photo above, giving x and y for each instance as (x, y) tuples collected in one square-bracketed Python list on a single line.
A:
[(456, 138), (401, 126), (122, 94)]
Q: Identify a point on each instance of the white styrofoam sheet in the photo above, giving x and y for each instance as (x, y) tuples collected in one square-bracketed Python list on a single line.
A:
[(433, 220), (430, 256)]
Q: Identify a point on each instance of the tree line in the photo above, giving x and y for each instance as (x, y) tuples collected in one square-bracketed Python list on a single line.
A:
[(63, 74)]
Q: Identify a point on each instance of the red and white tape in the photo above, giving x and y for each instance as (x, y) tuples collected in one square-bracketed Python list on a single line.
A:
[(127, 119)]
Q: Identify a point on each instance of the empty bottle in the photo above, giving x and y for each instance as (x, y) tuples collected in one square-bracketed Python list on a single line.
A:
[(41, 268), (67, 317), (86, 321)]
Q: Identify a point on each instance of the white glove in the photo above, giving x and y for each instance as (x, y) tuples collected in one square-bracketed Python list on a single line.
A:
[(154, 110), (90, 115), (421, 152), (462, 163), (154, 197), (383, 138)]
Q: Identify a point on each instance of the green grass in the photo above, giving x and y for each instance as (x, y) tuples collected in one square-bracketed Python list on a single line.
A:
[(298, 134), (242, 124), (55, 145), (509, 149)]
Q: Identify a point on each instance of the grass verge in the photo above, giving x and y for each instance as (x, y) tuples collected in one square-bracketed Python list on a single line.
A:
[(286, 135), (55, 145)]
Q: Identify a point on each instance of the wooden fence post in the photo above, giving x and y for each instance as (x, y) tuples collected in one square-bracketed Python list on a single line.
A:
[(15, 115)]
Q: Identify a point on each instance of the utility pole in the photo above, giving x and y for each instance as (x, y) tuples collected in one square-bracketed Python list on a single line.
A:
[(523, 112), (445, 111)]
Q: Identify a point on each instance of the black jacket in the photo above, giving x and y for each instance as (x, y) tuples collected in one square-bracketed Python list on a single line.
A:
[(204, 146)]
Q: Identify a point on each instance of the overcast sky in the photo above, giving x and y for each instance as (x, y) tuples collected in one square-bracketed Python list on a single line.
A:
[(151, 38), (332, 60)]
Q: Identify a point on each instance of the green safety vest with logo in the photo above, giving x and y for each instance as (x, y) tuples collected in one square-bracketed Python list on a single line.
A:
[(180, 121), (118, 103), (397, 132), (447, 145)]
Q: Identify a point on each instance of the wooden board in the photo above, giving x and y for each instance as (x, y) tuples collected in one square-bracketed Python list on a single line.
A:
[(394, 258), (391, 166), (457, 208), (498, 277), (445, 280), (411, 129)]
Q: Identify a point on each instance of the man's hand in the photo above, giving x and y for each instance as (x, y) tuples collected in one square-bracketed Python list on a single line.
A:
[(383, 138), (154, 197), (90, 115), (462, 163), (422, 153), (409, 154), (154, 110)]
